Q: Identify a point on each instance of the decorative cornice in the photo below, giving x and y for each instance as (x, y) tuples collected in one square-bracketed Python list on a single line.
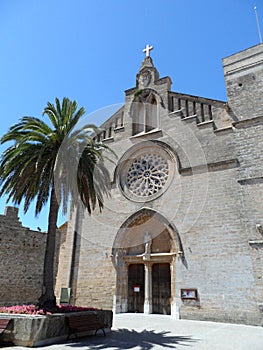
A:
[(217, 166), (251, 181), (246, 123)]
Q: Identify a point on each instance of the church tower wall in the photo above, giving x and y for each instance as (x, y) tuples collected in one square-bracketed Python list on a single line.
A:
[(244, 82)]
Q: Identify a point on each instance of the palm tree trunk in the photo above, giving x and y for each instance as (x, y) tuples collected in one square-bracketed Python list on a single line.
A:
[(47, 300)]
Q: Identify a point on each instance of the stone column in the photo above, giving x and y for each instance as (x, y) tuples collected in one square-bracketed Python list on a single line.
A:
[(147, 309), (120, 303), (176, 275), (124, 303), (173, 290)]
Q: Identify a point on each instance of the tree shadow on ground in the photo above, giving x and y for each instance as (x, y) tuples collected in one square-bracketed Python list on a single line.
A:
[(129, 339)]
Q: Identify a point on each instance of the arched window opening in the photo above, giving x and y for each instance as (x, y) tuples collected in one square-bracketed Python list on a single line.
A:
[(151, 115), (138, 115), (141, 113), (145, 114)]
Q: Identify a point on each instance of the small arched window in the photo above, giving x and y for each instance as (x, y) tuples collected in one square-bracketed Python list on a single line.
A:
[(144, 114), (151, 114), (138, 113)]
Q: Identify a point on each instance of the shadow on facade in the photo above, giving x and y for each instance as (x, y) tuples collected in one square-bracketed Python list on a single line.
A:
[(130, 339)]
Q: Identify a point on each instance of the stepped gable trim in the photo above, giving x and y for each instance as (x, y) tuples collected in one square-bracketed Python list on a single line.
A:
[(203, 168), (226, 129), (199, 99), (119, 129), (112, 125), (104, 124), (189, 118), (206, 123), (108, 140)]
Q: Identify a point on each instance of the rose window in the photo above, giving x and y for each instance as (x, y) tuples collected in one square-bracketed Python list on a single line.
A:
[(147, 174)]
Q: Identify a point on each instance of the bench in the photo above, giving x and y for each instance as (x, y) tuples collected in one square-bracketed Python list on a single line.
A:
[(3, 324), (84, 323)]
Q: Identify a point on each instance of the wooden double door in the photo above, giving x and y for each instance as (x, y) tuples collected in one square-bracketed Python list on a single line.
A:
[(161, 288)]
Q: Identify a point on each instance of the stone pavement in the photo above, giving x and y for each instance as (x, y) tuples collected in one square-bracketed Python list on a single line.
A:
[(152, 332)]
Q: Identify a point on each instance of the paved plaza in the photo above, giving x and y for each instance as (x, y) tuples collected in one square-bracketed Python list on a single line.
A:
[(146, 332)]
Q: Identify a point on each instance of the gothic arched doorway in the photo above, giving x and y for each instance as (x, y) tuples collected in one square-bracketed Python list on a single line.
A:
[(144, 255)]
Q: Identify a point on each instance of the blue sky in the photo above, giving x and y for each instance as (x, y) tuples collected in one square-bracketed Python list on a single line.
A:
[(90, 51)]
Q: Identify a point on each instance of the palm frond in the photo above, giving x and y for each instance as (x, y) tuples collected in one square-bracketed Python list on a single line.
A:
[(29, 166)]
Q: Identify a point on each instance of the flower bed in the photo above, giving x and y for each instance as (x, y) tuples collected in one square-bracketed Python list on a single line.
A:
[(31, 309), (31, 329)]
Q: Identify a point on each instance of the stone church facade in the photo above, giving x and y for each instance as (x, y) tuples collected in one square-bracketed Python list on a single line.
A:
[(181, 233)]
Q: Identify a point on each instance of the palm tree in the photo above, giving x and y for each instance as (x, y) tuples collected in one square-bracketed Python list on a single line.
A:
[(34, 168)]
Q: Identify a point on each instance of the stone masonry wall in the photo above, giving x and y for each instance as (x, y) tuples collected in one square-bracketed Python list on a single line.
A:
[(21, 264), (21, 260), (244, 82)]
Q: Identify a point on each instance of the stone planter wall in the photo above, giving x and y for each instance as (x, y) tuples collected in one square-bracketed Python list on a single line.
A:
[(38, 330)]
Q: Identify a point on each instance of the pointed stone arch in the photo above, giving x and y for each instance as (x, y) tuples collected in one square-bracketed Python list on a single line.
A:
[(146, 239), (130, 232)]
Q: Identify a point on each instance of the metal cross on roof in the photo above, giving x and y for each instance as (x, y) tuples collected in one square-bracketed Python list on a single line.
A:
[(147, 50)]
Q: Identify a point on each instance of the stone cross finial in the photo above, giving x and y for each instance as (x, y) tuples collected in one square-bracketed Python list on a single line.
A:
[(147, 50)]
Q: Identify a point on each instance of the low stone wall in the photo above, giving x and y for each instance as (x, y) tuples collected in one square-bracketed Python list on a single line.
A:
[(38, 330)]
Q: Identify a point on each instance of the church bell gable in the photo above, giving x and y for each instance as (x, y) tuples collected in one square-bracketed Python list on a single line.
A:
[(148, 97)]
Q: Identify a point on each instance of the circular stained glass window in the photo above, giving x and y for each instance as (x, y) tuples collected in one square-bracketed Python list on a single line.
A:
[(146, 172), (147, 175)]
